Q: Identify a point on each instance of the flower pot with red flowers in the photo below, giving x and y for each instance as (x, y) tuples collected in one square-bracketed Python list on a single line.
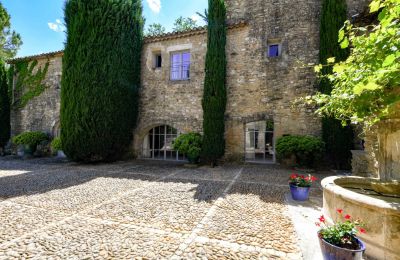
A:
[(300, 186), (340, 241)]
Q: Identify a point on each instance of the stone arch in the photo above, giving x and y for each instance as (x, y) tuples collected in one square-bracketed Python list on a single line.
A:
[(143, 132)]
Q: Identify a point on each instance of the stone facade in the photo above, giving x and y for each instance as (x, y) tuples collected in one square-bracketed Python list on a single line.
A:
[(42, 113), (260, 88)]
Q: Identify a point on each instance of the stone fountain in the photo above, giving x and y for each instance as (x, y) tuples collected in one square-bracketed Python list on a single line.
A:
[(374, 197)]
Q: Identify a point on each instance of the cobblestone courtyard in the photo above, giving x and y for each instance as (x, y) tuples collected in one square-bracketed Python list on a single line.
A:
[(126, 210)]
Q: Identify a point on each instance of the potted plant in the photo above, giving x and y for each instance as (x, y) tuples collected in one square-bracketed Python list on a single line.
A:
[(339, 241), (189, 145), (300, 186), (56, 146), (29, 140)]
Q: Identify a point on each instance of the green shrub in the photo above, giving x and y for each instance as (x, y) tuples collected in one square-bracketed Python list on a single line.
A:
[(189, 144), (307, 149), (101, 78), (56, 144), (30, 138)]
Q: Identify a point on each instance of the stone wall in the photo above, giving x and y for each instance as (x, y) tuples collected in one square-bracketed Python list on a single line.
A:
[(166, 102), (42, 113), (259, 88)]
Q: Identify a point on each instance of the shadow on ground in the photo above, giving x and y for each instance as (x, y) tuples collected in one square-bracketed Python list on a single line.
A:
[(35, 176)]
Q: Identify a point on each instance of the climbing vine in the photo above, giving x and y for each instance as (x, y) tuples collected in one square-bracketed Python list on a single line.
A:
[(28, 81)]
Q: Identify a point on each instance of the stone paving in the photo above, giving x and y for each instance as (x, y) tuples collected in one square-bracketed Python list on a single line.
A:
[(53, 209)]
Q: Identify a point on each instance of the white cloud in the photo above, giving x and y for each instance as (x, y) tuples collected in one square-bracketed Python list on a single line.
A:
[(196, 17), (155, 5), (57, 26)]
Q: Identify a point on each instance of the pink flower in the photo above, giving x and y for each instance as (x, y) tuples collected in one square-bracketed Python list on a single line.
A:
[(322, 219), (363, 230), (340, 211), (347, 216)]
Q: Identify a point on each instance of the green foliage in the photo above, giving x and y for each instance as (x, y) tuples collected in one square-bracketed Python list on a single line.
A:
[(214, 96), (30, 138), (184, 24), (204, 15), (338, 138), (333, 16), (101, 78), (301, 180), (4, 107), (307, 149), (10, 41), (56, 144), (155, 29), (365, 85), (342, 234), (339, 142), (189, 144), (29, 83)]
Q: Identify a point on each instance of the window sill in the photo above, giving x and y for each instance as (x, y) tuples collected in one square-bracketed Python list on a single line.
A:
[(177, 81)]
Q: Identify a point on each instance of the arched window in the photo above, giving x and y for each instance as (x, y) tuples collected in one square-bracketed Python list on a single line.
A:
[(260, 145), (157, 144)]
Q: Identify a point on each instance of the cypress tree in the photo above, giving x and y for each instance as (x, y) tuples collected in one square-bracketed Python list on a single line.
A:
[(4, 107), (338, 139), (214, 97), (101, 77)]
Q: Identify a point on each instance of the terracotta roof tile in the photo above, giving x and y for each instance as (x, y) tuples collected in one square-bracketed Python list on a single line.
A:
[(150, 39)]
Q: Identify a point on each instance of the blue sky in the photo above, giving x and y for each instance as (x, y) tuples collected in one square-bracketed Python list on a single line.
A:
[(40, 22)]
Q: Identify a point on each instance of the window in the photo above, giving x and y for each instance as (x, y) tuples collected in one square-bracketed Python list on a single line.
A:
[(158, 144), (157, 61), (274, 50), (180, 66)]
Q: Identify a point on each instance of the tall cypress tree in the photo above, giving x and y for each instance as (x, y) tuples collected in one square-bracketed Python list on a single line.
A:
[(4, 107), (338, 139), (101, 77), (214, 97)]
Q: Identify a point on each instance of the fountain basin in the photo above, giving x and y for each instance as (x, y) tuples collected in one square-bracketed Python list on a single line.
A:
[(381, 214)]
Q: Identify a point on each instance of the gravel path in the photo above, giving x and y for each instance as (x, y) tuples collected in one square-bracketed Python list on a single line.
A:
[(53, 209)]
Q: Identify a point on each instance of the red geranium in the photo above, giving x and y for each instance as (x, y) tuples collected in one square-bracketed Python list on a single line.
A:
[(301, 180), (343, 232)]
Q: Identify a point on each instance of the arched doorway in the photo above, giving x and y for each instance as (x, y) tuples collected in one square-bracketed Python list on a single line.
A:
[(260, 146), (157, 144)]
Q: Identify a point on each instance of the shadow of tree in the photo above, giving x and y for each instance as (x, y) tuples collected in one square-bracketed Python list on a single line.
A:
[(36, 176)]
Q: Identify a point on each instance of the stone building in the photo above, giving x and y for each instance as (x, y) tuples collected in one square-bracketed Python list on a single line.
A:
[(269, 47)]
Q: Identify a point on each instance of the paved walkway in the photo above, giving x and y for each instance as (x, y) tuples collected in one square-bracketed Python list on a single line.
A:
[(128, 210)]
